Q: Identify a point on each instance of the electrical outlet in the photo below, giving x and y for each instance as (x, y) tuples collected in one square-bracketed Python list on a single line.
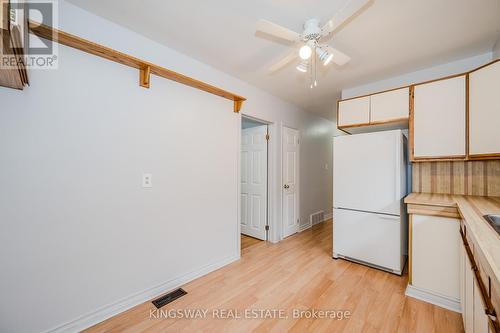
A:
[(147, 180), (326, 166)]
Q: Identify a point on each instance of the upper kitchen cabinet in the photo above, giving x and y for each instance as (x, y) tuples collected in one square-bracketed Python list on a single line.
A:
[(484, 112), (390, 106), (354, 112), (438, 123), (381, 111)]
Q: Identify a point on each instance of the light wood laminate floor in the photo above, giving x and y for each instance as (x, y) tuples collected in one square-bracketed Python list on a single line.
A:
[(247, 241), (297, 273)]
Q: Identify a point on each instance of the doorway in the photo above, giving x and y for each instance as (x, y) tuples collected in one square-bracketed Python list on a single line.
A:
[(254, 182)]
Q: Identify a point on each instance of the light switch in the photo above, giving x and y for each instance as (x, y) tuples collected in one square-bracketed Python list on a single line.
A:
[(326, 166), (147, 180)]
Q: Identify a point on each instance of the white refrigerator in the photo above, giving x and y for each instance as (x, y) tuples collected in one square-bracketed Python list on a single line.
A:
[(369, 184)]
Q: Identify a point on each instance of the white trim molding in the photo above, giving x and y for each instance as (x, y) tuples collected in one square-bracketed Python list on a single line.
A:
[(129, 302), (449, 303), (303, 227)]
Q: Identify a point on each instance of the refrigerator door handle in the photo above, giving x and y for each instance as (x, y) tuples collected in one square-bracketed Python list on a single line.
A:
[(389, 217)]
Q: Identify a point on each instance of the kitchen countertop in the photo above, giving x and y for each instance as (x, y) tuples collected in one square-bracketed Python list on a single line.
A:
[(471, 209)]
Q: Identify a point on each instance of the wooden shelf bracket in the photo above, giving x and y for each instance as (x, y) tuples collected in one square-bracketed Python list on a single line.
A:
[(144, 76), (237, 105)]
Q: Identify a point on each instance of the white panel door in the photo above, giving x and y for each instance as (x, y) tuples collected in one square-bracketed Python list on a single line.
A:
[(254, 181), (354, 111), (390, 105), (290, 181), (435, 255), (484, 110), (372, 238), (367, 171), (439, 118)]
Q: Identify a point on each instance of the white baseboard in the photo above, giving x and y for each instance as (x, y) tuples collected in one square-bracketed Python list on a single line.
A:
[(303, 227), (328, 216), (449, 303), (126, 303)]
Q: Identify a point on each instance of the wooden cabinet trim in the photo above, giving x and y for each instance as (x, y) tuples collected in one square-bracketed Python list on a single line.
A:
[(411, 123), (424, 82), (389, 121), (485, 65), (451, 212)]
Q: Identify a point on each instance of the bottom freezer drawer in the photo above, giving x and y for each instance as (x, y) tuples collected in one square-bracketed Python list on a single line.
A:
[(368, 237)]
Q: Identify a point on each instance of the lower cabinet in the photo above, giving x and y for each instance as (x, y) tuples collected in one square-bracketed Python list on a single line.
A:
[(441, 271), (472, 304), (435, 259)]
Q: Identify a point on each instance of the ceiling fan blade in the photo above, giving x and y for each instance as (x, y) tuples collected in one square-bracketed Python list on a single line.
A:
[(284, 61), (276, 30), (339, 58), (350, 9)]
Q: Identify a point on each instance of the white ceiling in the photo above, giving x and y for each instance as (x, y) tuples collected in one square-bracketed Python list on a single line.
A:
[(390, 37)]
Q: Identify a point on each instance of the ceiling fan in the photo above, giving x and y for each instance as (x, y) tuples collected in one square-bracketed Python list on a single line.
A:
[(312, 40)]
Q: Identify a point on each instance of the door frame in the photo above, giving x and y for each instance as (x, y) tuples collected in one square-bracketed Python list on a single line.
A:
[(272, 234), (282, 229)]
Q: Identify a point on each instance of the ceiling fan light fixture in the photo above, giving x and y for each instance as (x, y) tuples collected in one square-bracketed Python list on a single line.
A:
[(302, 67), (328, 59), (305, 52), (324, 56)]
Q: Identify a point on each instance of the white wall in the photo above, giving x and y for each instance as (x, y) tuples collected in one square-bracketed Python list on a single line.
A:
[(80, 239), (426, 74)]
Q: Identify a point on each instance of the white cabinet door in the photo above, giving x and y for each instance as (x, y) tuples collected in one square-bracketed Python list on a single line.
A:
[(390, 105), (354, 111), (484, 110), (435, 258), (439, 118), (480, 317)]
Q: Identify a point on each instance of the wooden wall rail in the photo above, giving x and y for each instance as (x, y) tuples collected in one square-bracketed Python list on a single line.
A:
[(145, 68)]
